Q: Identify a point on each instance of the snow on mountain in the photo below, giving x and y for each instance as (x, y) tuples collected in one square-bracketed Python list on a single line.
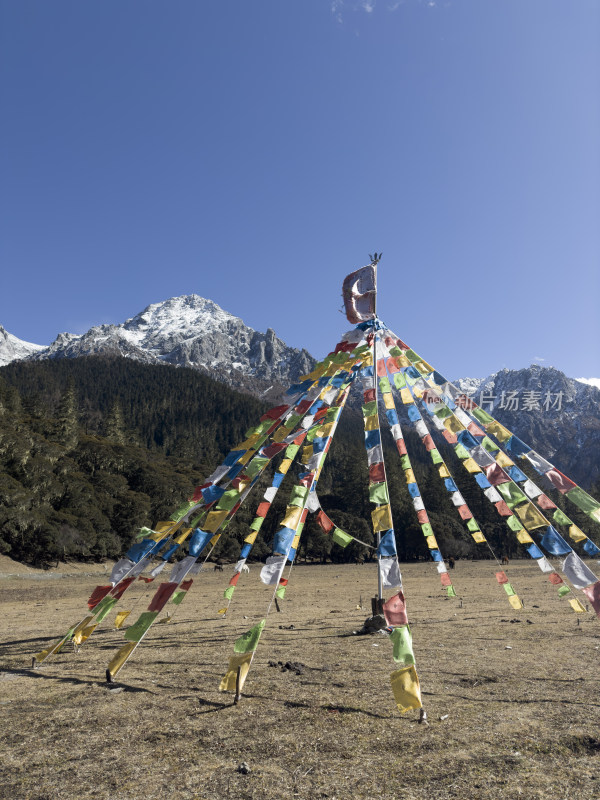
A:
[(14, 349), (557, 415), (590, 381), (191, 331)]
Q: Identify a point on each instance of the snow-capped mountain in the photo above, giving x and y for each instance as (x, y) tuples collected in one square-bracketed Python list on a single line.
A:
[(190, 331), (558, 416), (14, 349)]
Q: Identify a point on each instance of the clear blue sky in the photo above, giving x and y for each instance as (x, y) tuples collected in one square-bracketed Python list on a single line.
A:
[(255, 151)]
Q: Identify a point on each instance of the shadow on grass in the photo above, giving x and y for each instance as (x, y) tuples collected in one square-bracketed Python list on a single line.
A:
[(36, 673)]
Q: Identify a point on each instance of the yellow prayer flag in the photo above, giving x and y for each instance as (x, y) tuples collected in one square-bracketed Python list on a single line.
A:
[(251, 538), (424, 367), (406, 688), (285, 465), (410, 475), (515, 601), (85, 633), (296, 541), (431, 542), (478, 536), (499, 431), (524, 537), (368, 360), (120, 618), (417, 391), (530, 516), (371, 423), (280, 434), (292, 517), (214, 539), (382, 518), (222, 611), (453, 425), (388, 400), (214, 520), (504, 460), (307, 452), (402, 361), (241, 661), (406, 396), (81, 627), (443, 470), (181, 537), (162, 621), (166, 526), (121, 657), (249, 442), (576, 606), (471, 465), (246, 457), (326, 429), (576, 534)]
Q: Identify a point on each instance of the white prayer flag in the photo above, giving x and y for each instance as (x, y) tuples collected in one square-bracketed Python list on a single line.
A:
[(269, 574)]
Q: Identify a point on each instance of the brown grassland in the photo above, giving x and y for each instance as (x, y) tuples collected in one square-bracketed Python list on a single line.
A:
[(503, 723)]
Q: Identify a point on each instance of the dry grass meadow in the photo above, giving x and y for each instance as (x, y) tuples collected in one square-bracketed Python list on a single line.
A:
[(504, 723)]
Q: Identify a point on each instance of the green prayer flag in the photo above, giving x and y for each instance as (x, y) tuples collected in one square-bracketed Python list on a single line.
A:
[(254, 467), (402, 652), (472, 525), (378, 493), (583, 501), (461, 452), (292, 422), (488, 445), (298, 496), (178, 597), (198, 521), (311, 434), (399, 381), (249, 641), (511, 494), (563, 590), (299, 529), (482, 416), (435, 456), (332, 414), (561, 518), (405, 462), (450, 591), (443, 412), (427, 529), (181, 511), (256, 523), (135, 632), (228, 500), (291, 450), (412, 356), (514, 523), (228, 593), (384, 385), (369, 409), (395, 351), (508, 589), (341, 538), (280, 593), (104, 607)]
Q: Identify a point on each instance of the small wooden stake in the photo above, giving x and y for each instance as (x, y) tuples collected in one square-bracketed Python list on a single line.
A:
[(109, 677), (33, 663), (277, 606), (238, 692), (423, 717)]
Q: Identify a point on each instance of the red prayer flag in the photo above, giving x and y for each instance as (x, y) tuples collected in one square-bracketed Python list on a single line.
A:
[(555, 578), (401, 447), (146, 580), (377, 473), (560, 481), (392, 366), (465, 512), (97, 595), (303, 406), (273, 449), (501, 577), (449, 437), (422, 516), (394, 611), (495, 474), (274, 413), (235, 579), (164, 591), (369, 395), (475, 429), (120, 587), (381, 371), (503, 509), (185, 585), (283, 581), (593, 595), (428, 442), (445, 579), (544, 502), (262, 510), (324, 522)]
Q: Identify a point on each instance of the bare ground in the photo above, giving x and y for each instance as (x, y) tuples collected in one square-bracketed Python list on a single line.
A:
[(521, 722)]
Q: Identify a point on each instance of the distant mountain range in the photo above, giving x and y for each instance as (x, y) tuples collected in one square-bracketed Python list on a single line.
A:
[(187, 331), (557, 415)]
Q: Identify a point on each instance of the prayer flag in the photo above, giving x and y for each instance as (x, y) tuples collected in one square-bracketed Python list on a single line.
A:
[(248, 642), (406, 688), (402, 652), (120, 618), (240, 662)]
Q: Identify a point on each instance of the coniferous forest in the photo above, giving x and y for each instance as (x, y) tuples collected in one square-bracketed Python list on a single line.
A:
[(93, 448)]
